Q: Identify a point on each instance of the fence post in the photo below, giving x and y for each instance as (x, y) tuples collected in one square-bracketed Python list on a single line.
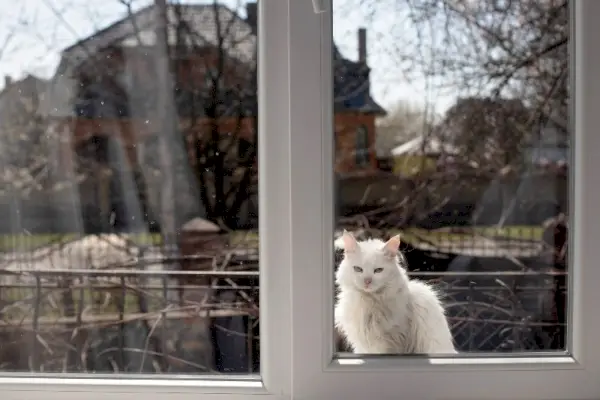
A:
[(35, 360), (121, 303), (471, 327), (163, 316), (250, 334)]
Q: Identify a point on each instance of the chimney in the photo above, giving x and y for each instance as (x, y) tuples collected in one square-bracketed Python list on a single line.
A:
[(7, 80), (251, 15), (362, 45)]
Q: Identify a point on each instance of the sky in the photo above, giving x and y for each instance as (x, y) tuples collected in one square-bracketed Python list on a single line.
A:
[(33, 33)]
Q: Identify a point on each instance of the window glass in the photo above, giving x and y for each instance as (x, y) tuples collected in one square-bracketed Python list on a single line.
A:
[(469, 103), (362, 146), (129, 187)]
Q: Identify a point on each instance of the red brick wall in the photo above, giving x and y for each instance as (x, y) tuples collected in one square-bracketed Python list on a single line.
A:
[(131, 132), (346, 126), (193, 71)]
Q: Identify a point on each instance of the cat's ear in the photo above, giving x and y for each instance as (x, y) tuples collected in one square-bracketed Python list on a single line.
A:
[(390, 249), (350, 243)]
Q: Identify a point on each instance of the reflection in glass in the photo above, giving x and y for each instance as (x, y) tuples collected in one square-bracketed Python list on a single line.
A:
[(128, 188), (469, 105), (362, 146)]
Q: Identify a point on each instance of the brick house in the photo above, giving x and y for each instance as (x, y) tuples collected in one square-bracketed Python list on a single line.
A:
[(103, 94), (123, 51)]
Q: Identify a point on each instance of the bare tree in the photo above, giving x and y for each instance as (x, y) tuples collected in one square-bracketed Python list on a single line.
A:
[(505, 64), (515, 49), (212, 59), (489, 133), (23, 141), (225, 105), (166, 113)]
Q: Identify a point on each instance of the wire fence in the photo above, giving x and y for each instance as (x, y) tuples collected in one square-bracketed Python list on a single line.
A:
[(511, 311), (128, 321), (507, 311), (123, 321), (142, 309)]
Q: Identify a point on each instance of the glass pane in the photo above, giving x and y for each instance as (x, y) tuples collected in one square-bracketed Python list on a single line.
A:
[(128, 194), (466, 108)]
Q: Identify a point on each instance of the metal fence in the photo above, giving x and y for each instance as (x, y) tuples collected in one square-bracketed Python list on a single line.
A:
[(108, 309), (510, 311), (124, 321), (128, 321)]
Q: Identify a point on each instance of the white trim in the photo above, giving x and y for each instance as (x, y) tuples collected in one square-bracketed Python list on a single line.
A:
[(68, 388), (274, 195), (275, 247), (316, 374)]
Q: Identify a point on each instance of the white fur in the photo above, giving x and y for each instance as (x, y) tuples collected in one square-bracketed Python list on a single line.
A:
[(392, 315)]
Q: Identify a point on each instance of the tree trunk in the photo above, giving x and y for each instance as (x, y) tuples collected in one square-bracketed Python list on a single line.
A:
[(166, 120)]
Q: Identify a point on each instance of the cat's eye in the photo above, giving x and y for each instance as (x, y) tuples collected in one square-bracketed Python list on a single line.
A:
[(357, 269), (378, 270)]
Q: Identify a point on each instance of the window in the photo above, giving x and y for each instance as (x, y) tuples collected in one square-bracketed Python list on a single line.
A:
[(121, 250), (298, 357), (476, 372), (212, 77), (244, 147), (362, 146)]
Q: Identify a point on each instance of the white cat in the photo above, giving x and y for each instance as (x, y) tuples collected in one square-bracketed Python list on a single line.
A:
[(379, 310)]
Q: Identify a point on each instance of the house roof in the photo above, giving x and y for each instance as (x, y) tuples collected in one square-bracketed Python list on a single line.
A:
[(351, 86), (139, 29), (423, 145), (351, 79), (200, 225)]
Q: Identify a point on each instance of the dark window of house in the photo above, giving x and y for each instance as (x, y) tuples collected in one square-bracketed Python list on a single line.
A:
[(103, 99), (93, 159), (212, 77), (94, 150), (362, 146), (244, 148)]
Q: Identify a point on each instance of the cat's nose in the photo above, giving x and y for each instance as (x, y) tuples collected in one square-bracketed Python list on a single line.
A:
[(368, 281)]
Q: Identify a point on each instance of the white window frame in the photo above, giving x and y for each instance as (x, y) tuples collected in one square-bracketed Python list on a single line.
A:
[(296, 250), (316, 373)]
